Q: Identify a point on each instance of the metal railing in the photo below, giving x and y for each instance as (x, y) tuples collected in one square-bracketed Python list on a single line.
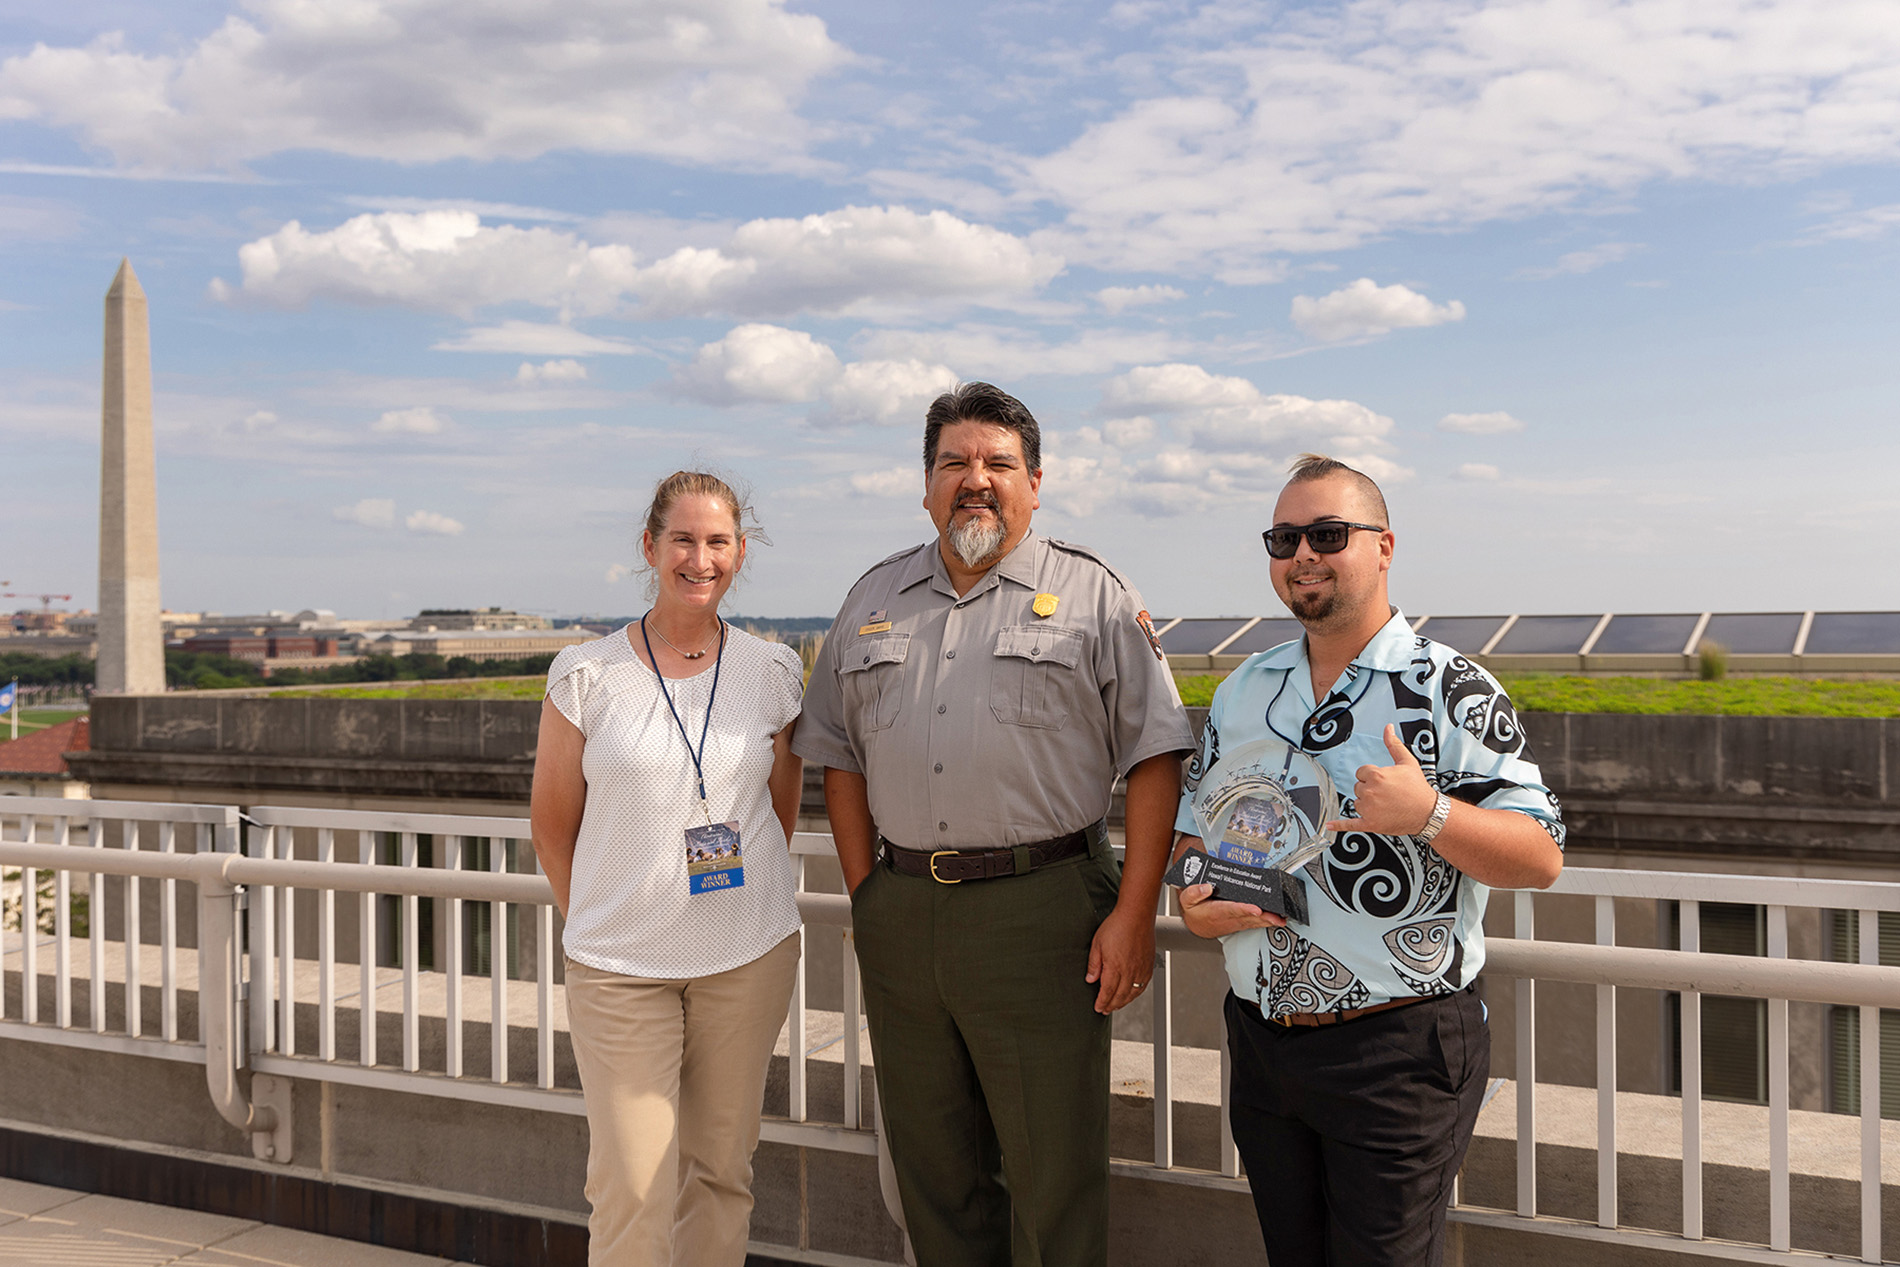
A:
[(273, 996)]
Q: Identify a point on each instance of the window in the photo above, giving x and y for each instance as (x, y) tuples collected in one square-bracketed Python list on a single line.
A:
[(1841, 934), (1734, 1030)]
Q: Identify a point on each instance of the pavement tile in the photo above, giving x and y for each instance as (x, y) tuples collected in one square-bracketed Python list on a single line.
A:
[(43, 1241), (186, 1229), (267, 1246), (19, 1199)]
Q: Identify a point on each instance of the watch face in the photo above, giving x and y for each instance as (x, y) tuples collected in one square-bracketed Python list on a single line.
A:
[(1265, 804)]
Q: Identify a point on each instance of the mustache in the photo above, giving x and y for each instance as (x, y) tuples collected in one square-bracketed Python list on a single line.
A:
[(987, 500)]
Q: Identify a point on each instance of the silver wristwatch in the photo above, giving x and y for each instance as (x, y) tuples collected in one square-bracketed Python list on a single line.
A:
[(1441, 810)]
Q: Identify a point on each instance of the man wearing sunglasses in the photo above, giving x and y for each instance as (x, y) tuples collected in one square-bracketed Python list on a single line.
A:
[(1359, 1049)]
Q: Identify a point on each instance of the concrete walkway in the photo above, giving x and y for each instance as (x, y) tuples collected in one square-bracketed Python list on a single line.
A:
[(56, 1227)]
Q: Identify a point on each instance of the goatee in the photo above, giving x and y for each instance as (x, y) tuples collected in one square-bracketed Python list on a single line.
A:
[(977, 540)]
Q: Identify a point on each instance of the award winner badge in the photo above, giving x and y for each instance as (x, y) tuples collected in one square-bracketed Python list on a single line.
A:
[(1261, 811)]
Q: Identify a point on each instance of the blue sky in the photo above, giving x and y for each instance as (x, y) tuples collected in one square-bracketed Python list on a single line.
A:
[(1604, 293)]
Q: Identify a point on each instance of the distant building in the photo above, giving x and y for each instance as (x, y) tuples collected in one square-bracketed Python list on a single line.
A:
[(480, 644), (452, 619), (274, 646), (35, 764)]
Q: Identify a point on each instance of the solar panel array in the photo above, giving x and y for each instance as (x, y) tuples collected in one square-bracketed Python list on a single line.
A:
[(1669, 633)]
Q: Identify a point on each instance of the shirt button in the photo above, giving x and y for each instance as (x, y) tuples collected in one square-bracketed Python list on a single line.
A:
[(949, 655), (867, 659), (1035, 651), (940, 767), (943, 826), (941, 707)]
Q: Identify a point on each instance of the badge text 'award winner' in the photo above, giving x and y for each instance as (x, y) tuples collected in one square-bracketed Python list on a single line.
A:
[(1261, 811)]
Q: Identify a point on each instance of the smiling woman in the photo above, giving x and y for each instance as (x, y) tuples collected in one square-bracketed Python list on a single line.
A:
[(665, 791)]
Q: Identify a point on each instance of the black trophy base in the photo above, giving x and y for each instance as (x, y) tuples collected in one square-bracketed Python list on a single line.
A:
[(1276, 892)]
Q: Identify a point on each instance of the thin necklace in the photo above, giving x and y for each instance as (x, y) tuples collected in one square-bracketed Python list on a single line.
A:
[(690, 655)]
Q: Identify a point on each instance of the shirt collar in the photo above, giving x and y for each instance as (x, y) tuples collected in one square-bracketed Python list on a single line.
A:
[(1019, 565), (1389, 650)]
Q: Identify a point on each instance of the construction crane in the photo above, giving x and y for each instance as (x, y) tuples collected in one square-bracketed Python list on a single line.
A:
[(46, 600)]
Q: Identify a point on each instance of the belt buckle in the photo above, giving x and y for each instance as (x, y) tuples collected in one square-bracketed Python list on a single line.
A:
[(941, 853)]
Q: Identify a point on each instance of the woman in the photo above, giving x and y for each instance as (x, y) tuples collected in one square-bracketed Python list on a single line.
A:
[(665, 790)]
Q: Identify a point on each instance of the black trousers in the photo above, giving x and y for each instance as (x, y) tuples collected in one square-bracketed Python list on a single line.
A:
[(1352, 1133)]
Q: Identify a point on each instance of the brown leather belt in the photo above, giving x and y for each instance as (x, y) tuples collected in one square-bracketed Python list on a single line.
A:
[(1314, 1020), (954, 866)]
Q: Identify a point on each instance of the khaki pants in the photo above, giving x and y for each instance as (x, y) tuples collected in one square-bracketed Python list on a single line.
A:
[(674, 1075)]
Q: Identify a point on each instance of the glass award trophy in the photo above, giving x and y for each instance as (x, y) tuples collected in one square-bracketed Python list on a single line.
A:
[(1262, 812)]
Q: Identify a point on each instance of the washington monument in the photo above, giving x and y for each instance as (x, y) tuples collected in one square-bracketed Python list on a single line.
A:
[(131, 642)]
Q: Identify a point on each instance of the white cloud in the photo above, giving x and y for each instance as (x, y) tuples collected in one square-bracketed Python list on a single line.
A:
[(429, 524), (1478, 471), (1011, 353), (371, 512), (618, 572), (896, 481), (1115, 299), (1272, 130), (852, 259), (1224, 413), (422, 420), (1126, 433), (886, 391), (1587, 260), (565, 371), (1229, 441), (1365, 308), (1491, 424), (760, 363), (491, 210), (1864, 225), (533, 338), (766, 363), (419, 81)]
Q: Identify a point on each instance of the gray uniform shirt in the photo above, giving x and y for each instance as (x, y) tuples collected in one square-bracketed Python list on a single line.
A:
[(976, 722)]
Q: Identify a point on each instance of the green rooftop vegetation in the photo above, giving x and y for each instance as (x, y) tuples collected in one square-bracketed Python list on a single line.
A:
[(1736, 697), (488, 688)]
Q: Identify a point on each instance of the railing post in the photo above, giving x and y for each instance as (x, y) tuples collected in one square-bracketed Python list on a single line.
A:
[(1526, 1019), (1160, 988), (796, 1044), (1689, 920), (851, 1005), (1870, 1038), (1779, 1221), (1606, 1075)]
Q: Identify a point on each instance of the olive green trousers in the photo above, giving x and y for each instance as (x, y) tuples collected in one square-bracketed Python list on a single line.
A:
[(992, 1063)]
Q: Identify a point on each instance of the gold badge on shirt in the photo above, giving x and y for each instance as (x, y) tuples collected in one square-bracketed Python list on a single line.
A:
[(1045, 605)]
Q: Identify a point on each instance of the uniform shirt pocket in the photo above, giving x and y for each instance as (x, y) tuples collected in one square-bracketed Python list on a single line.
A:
[(871, 675), (1033, 679)]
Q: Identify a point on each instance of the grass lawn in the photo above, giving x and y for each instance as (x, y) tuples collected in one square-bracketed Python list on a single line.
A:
[(32, 719), (487, 688), (1739, 697)]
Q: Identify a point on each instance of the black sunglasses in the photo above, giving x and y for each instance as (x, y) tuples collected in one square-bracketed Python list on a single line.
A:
[(1328, 536)]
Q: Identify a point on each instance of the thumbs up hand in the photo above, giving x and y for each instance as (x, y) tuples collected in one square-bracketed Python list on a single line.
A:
[(1393, 800)]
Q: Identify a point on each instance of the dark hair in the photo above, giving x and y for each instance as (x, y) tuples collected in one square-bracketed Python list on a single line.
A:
[(1317, 466), (981, 402)]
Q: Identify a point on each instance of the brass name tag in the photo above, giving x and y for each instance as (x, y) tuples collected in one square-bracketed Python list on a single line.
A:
[(879, 627)]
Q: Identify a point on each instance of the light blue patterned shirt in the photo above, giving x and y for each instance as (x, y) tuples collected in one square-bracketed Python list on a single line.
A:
[(1390, 918)]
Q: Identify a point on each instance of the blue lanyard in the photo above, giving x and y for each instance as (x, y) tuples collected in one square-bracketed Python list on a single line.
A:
[(699, 756)]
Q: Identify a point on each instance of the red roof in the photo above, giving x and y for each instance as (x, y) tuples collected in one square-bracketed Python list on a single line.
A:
[(42, 752)]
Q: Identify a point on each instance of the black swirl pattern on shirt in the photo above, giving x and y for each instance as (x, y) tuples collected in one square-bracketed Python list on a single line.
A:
[(1330, 726), (1502, 734), (1204, 756), (1303, 978), (1462, 680)]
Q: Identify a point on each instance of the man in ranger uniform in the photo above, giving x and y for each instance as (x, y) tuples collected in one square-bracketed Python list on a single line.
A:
[(973, 704), (1359, 1049)]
